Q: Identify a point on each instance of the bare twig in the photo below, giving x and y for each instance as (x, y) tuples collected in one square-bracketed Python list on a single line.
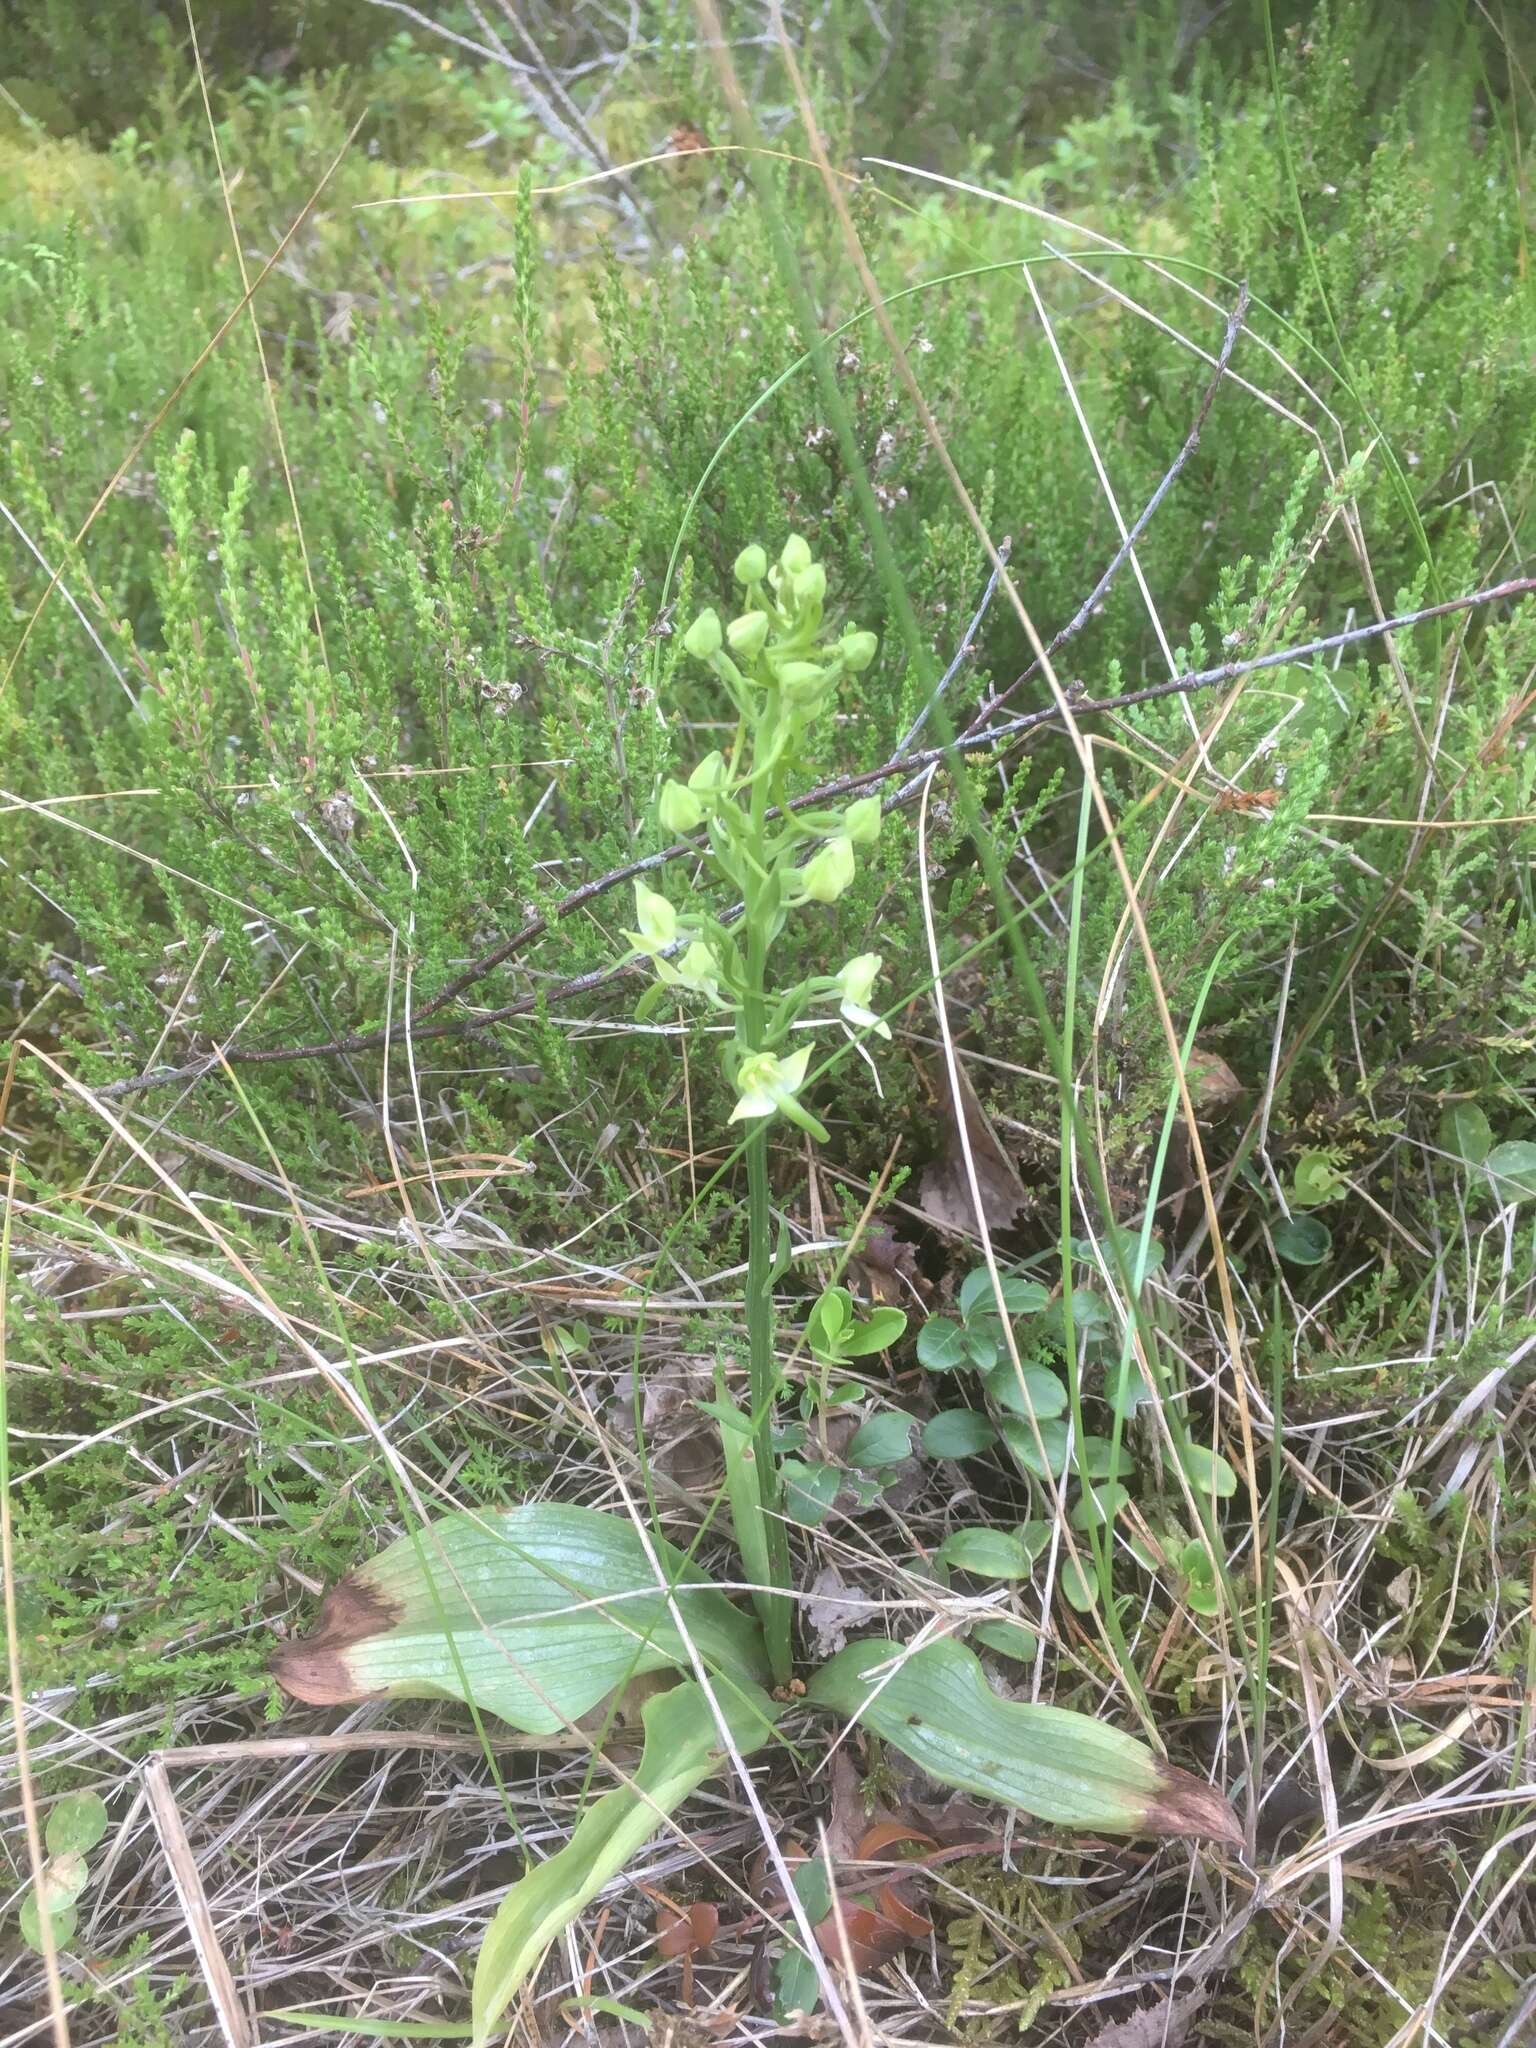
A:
[(234, 2024), (962, 654)]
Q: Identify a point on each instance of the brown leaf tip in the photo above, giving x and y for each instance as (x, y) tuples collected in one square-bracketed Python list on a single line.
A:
[(1186, 1805), (314, 1668)]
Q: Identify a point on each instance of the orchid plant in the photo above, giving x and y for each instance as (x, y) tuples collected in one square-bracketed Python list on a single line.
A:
[(779, 664)]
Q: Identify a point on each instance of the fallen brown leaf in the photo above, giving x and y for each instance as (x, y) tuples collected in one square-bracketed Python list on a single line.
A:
[(944, 1192), (1213, 1087), (1163, 2025)]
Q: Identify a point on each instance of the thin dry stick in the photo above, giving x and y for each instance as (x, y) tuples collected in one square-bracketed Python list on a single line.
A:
[(187, 1878), (962, 654), (35, 1855), (277, 1748), (1006, 734)]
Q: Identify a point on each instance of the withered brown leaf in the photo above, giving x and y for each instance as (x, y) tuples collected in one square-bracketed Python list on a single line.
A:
[(944, 1192)]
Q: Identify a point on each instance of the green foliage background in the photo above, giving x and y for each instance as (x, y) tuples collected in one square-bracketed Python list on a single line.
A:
[(526, 436)]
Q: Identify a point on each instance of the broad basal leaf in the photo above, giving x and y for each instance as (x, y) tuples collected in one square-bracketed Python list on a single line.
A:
[(535, 1614), (682, 1748), (935, 1706)]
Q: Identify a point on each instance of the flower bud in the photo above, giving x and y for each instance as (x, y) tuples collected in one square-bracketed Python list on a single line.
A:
[(703, 637), (748, 634), (827, 874), (679, 810), (795, 557), (751, 565), (861, 821), (802, 683), (857, 650), (711, 775), (811, 585)]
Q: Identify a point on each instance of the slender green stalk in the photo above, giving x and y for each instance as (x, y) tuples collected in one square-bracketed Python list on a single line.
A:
[(772, 1604), (762, 1379)]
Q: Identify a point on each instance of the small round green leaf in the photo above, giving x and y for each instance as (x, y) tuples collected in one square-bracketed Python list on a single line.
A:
[(1465, 1133), (1209, 1472), (65, 1920), (941, 1345), (76, 1824), (884, 1440), (796, 1987), (984, 1342), (1007, 1639), (1511, 1168), (989, 1553), (1201, 1592), (957, 1433), (1097, 1458), (1303, 1241), (1019, 1436), (1100, 1503), (1041, 1391), (1079, 1587), (809, 1491), (1091, 1314), (1021, 1297), (828, 1323), (885, 1327), (1314, 1181), (1125, 1389)]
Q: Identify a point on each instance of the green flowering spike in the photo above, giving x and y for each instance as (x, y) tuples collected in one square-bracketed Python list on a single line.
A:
[(679, 810), (862, 820), (703, 637), (768, 1084), (748, 635), (751, 565), (858, 650), (657, 921), (827, 874), (795, 557), (855, 984)]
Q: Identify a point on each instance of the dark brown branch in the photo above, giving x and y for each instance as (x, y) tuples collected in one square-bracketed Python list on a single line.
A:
[(910, 766)]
